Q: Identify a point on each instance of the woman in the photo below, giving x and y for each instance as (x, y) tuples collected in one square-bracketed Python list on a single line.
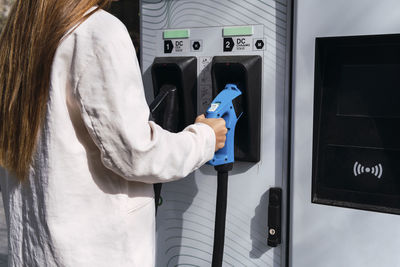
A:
[(79, 152)]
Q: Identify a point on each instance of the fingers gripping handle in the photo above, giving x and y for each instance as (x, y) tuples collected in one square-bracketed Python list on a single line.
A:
[(223, 107)]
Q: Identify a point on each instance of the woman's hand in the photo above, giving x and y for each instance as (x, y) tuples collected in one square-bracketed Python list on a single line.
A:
[(218, 125)]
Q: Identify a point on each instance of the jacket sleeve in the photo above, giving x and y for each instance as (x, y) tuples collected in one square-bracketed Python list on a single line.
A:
[(112, 103)]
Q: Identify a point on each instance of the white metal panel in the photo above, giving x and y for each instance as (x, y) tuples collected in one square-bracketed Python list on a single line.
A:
[(186, 219), (323, 235)]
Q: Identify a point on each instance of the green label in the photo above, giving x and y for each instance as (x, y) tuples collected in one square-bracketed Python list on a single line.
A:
[(238, 31), (176, 34)]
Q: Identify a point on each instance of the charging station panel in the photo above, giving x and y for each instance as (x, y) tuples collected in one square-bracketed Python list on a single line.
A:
[(357, 122), (254, 35)]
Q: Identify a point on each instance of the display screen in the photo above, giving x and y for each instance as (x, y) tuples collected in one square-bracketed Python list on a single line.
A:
[(356, 150), (369, 90)]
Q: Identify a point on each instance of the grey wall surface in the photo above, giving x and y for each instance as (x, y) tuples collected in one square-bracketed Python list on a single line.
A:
[(323, 235), (3, 236), (5, 6)]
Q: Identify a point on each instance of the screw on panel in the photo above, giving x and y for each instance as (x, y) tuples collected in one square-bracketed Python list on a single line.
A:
[(272, 231)]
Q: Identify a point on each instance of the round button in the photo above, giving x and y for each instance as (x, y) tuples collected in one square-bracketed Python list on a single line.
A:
[(272, 231), (196, 45)]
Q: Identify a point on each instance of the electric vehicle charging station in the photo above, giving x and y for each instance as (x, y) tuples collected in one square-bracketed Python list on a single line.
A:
[(241, 42), (328, 152)]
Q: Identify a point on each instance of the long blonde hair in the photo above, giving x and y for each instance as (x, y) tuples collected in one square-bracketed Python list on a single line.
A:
[(28, 44)]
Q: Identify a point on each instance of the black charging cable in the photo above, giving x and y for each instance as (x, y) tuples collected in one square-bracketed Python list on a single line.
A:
[(165, 111), (220, 213)]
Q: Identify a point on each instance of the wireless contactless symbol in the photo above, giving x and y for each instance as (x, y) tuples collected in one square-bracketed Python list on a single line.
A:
[(377, 170)]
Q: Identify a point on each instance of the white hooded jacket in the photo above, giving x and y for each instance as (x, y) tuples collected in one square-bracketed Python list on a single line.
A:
[(89, 198)]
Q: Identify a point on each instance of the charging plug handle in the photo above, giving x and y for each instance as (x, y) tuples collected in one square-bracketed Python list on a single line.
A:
[(227, 106), (165, 108)]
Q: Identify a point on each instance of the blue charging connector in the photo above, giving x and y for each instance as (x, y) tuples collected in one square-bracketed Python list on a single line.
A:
[(223, 107), (227, 106)]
